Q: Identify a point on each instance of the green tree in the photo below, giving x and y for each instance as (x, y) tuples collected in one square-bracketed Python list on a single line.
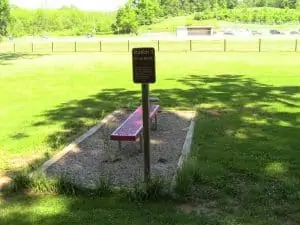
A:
[(126, 20), (170, 7), (147, 11), (64, 21), (222, 4), (4, 17), (39, 21), (292, 4), (232, 4)]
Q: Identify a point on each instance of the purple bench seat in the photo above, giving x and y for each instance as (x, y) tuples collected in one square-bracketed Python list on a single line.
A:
[(131, 129)]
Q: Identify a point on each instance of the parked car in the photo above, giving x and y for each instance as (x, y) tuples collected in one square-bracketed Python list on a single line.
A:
[(228, 32), (293, 32), (43, 37), (275, 32), (255, 32), (242, 32)]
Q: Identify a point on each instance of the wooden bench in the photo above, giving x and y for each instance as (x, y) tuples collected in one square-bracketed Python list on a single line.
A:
[(131, 129)]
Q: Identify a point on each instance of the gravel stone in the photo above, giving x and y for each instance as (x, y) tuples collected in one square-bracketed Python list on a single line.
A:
[(162, 160), (97, 156)]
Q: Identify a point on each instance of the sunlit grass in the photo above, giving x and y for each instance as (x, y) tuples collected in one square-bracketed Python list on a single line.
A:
[(244, 159), (33, 84)]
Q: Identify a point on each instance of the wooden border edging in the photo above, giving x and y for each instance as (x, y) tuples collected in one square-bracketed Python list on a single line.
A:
[(187, 145), (68, 148), (185, 151)]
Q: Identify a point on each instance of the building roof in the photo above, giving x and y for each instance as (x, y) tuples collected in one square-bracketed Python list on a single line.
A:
[(195, 27)]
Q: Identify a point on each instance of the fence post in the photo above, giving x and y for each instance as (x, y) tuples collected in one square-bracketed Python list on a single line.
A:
[(191, 47), (52, 46), (128, 46), (259, 45), (100, 45), (296, 45), (14, 47), (158, 45), (75, 46), (32, 47), (225, 45)]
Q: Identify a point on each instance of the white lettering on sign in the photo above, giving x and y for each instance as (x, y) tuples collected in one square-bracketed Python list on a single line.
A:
[(141, 58), (143, 52)]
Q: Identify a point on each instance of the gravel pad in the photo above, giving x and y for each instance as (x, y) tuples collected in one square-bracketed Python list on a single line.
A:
[(97, 156)]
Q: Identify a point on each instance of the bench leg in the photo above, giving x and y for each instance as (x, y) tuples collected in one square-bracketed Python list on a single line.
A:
[(141, 142), (154, 124), (120, 145), (155, 118)]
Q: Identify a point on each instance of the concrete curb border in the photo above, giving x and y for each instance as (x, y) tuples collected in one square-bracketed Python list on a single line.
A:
[(185, 151), (78, 140)]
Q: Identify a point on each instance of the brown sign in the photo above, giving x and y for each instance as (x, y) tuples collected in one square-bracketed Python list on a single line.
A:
[(143, 61)]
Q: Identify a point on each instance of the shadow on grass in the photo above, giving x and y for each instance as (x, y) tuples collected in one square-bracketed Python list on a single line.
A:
[(29, 166), (231, 92), (52, 210), (18, 136), (7, 58), (74, 114), (245, 154)]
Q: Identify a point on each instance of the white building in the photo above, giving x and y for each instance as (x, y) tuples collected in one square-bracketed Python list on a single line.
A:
[(185, 31)]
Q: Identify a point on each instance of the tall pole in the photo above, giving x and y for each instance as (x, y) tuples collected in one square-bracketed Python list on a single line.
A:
[(146, 132), (144, 73)]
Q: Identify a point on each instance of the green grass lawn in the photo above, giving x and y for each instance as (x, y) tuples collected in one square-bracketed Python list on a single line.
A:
[(244, 166), (54, 210)]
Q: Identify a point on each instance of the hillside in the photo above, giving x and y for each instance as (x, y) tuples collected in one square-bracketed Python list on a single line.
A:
[(170, 24)]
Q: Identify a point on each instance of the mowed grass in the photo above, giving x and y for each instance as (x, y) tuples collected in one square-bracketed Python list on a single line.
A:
[(244, 166), (123, 46), (55, 210)]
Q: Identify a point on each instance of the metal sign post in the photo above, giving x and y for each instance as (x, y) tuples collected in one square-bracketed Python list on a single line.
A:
[(146, 131), (144, 73)]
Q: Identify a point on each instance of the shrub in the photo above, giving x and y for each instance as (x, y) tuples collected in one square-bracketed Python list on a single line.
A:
[(21, 181), (103, 187), (155, 190)]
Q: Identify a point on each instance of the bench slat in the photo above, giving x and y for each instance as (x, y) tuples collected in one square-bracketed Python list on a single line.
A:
[(130, 129)]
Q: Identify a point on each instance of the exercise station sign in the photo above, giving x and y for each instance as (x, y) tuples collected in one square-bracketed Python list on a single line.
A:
[(143, 60)]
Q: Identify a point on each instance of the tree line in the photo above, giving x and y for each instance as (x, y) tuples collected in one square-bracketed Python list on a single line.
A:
[(136, 13), (64, 21), (263, 15), (4, 17)]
